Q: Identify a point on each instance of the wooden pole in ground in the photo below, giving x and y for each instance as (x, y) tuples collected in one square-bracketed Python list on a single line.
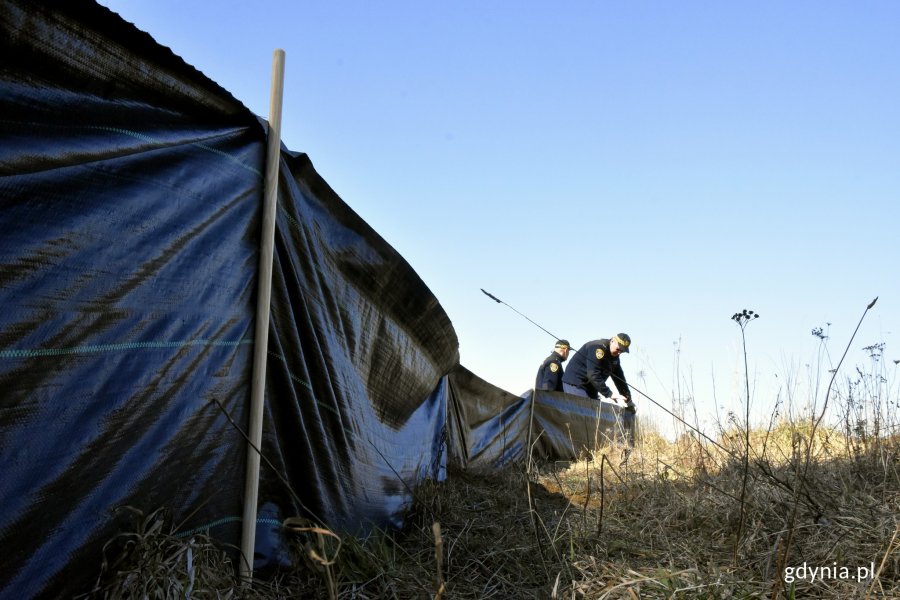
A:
[(263, 299), (528, 440)]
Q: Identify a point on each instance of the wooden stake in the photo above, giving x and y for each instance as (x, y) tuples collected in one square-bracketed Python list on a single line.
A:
[(263, 299)]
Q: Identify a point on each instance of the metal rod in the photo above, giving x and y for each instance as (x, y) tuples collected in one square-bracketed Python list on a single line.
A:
[(263, 299), (498, 300)]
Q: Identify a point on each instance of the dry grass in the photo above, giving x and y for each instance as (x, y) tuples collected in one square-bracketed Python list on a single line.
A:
[(662, 525), (669, 532), (153, 561)]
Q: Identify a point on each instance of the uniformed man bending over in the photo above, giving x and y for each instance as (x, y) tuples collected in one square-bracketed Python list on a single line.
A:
[(549, 376), (593, 364)]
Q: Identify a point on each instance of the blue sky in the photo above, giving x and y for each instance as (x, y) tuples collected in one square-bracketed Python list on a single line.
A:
[(646, 167)]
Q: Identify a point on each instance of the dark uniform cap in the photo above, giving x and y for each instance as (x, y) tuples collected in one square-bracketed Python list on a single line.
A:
[(623, 340), (562, 344)]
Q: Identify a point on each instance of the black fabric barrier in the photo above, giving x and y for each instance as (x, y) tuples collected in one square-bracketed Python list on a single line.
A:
[(130, 196), (359, 347), (130, 189), (488, 427), (565, 426)]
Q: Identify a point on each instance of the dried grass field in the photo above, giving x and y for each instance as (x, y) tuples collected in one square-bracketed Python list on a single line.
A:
[(819, 519)]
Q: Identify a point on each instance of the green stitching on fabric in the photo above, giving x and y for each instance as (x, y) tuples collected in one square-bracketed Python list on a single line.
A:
[(98, 348), (225, 521), (291, 375), (287, 216), (302, 382)]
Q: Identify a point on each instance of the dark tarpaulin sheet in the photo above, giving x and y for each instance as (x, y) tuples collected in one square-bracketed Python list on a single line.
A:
[(566, 426), (130, 194), (359, 350), (129, 201), (488, 427)]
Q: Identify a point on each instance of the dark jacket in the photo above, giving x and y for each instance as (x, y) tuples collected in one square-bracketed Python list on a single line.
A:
[(591, 366), (549, 376)]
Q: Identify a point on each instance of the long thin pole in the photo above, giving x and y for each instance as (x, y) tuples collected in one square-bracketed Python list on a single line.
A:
[(263, 299), (499, 301), (530, 429)]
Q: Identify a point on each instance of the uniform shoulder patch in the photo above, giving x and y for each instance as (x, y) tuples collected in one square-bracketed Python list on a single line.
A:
[(554, 367), (600, 353)]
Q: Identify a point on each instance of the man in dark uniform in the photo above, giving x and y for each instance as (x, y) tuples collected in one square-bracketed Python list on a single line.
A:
[(549, 376), (593, 364)]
